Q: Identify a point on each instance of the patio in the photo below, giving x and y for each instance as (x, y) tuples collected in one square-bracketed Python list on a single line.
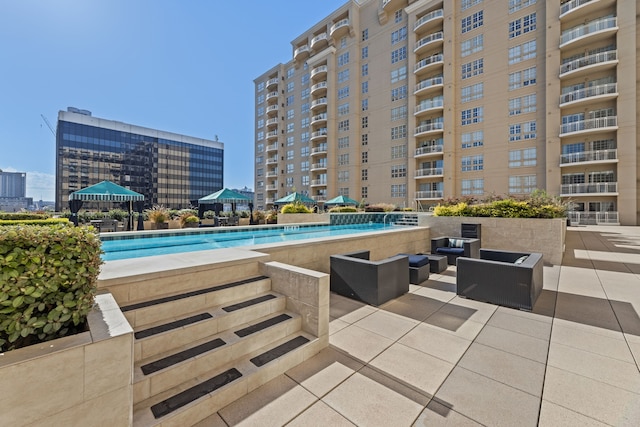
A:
[(432, 358)]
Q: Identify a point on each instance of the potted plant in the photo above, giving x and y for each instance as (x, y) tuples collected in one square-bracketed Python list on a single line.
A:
[(159, 216), (272, 217), (189, 220), (258, 217)]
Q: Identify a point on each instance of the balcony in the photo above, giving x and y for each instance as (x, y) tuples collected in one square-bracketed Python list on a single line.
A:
[(428, 63), (321, 149), (429, 128), (588, 157), (272, 135), (428, 105), (429, 173), (587, 34), (434, 39), (322, 86), (318, 166), (319, 71), (272, 161), (272, 147), (429, 84), (272, 109), (272, 95), (593, 218), (319, 197), (392, 5), (319, 118), (320, 133), (272, 82), (272, 121), (429, 21), (429, 150), (319, 183), (317, 103), (577, 9), (272, 174), (594, 93), (600, 124), (269, 200), (429, 195), (340, 28), (301, 53), (271, 187), (589, 64), (594, 189), (319, 42)]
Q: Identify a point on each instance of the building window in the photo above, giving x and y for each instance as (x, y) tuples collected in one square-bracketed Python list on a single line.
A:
[(365, 174), (466, 4), (365, 157), (305, 180), (399, 74), (260, 148), (522, 184), (473, 92), (290, 127), (364, 139), (523, 25), (304, 108), (290, 154), (343, 159), (304, 80), (304, 123), (260, 99), (522, 105), (343, 125), (516, 5), (473, 68), (290, 72), (399, 113), (398, 190), (399, 55), (473, 163), (290, 167), (259, 172), (304, 137), (289, 100), (291, 114), (365, 104), (522, 52), (472, 115), (364, 192), (343, 43), (365, 70), (304, 166), (343, 59), (399, 132), (522, 78), (260, 136), (343, 109), (343, 176), (365, 87), (522, 131), (365, 122), (343, 92), (472, 22), (473, 139), (365, 52), (473, 45), (398, 16), (398, 171), (343, 142), (290, 86), (522, 158), (398, 35), (399, 151), (399, 93), (472, 186), (260, 87), (289, 181), (304, 151), (365, 34), (343, 75)]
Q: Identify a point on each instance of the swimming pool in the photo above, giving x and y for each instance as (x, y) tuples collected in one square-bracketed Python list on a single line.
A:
[(137, 245)]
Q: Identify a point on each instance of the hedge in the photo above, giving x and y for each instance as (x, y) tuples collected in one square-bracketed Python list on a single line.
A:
[(48, 278)]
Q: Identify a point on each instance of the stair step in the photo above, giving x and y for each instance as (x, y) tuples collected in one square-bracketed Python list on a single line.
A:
[(248, 303), (281, 350), (181, 356), (262, 325), (171, 325)]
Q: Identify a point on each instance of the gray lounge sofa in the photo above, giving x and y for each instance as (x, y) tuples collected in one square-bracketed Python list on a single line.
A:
[(511, 279), (454, 247), (374, 282)]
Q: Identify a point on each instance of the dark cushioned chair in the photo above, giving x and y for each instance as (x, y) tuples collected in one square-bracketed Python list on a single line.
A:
[(467, 245), (418, 268), (374, 282), (512, 279)]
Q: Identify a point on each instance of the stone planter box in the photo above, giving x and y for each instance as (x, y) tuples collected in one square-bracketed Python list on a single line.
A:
[(159, 226), (83, 379)]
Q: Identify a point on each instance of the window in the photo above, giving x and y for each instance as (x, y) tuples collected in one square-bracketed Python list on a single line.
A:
[(522, 52), (260, 111), (343, 92), (399, 93), (472, 115), (365, 104), (398, 171), (290, 167), (399, 190), (304, 123), (343, 125), (573, 178), (473, 92), (522, 25), (466, 4), (473, 68), (365, 70), (290, 86), (398, 16), (399, 113), (290, 154), (520, 131), (472, 22), (364, 192), (399, 151), (364, 174), (290, 72), (343, 109), (304, 166), (343, 176), (522, 158), (364, 52), (398, 35), (305, 180), (260, 98), (289, 100), (516, 5), (365, 157), (365, 122), (399, 55), (522, 105), (289, 181), (260, 87), (473, 45), (364, 139), (473, 139), (260, 136), (260, 172), (304, 151), (522, 78), (343, 159), (365, 34), (365, 87), (343, 59), (472, 186), (290, 127), (260, 124), (399, 74), (343, 142), (260, 148), (343, 43), (343, 75), (304, 94), (399, 132), (290, 114), (523, 184), (304, 79), (304, 108), (473, 163), (304, 137)]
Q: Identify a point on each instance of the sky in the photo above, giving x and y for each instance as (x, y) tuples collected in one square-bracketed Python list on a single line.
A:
[(179, 66)]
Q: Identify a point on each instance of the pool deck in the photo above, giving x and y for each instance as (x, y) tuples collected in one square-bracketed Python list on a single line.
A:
[(432, 358)]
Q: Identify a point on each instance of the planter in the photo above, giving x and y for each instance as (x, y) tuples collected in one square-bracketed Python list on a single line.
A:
[(159, 225), (243, 221), (191, 225)]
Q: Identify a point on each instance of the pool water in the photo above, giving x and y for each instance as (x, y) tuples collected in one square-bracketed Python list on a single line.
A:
[(135, 245)]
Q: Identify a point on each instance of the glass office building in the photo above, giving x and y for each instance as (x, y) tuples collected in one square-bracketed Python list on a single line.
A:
[(168, 169)]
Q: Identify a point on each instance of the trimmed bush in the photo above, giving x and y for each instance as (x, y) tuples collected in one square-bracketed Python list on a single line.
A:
[(343, 209), (48, 279), (295, 207), (49, 221), (23, 215)]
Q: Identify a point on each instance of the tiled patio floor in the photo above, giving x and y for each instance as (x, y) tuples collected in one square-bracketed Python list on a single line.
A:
[(431, 358)]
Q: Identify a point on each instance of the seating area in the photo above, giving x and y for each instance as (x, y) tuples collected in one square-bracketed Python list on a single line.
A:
[(467, 245)]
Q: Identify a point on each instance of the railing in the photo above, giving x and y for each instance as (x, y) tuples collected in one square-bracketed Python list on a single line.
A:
[(600, 122), (301, 50), (271, 174), (428, 17), (271, 108), (430, 38), (273, 81), (318, 38), (592, 188), (320, 149), (429, 172), (321, 85), (322, 116), (570, 5), (430, 149), (428, 83), (319, 166), (273, 121), (319, 198), (272, 161), (321, 132), (586, 29), (341, 23), (272, 134), (589, 156), (589, 92), (593, 218), (269, 201), (586, 61), (273, 94), (428, 61), (272, 147), (428, 105), (320, 69), (319, 182), (272, 187), (429, 194), (429, 127), (321, 101)]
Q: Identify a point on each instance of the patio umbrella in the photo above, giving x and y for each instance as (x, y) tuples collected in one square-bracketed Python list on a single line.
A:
[(224, 196), (295, 197), (341, 200)]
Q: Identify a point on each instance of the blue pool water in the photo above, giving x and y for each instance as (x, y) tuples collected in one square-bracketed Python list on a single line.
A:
[(135, 245)]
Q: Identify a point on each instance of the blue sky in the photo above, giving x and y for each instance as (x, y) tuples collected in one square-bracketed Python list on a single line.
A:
[(180, 66)]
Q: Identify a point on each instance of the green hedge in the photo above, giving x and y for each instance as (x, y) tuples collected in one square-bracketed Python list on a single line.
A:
[(507, 208), (48, 278), (295, 207), (50, 221), (22, 215)]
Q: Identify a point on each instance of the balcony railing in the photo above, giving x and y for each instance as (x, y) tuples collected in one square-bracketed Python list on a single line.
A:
[(272, 134), (429, 194), (589, 156), (318, 70), (593, 218), (319, 117), (319, 166), (599, 90), (273, 94), (273, 161), (587, 29), (319, 197), (428, 172), (272, 108), (592, 188), (319, 133), (586, 61), (433, 59), (271, 174), (428, 127), (319, 149), (272, 147), (435, 81), (429, 39), (570, 5), (589, 124), (428, 105), (430, 149), (341, 24), (271, 187), (318, 102), (302, 50), (317, 182), (273, 81), (321, 85), (315, 42), (428, 17), (272, 121), (269, 200)]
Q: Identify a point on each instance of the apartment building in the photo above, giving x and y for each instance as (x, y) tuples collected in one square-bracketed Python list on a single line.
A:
[(169, 169), (413, 102)]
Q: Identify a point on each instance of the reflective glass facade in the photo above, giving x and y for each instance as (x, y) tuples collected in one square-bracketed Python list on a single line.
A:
[(168, 169)]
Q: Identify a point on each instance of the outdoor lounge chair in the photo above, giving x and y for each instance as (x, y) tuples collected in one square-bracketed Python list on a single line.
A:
[(374, 282), (468, 245)]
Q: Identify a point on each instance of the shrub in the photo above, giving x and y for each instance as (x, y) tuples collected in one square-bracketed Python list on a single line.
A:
[(209, 214), (343, 209), (380, 207), (295, 207), (49, 221), (48, 279), (23, 215), (158, 213), (188, 218), (537, 205), (118, 214), (258, 216)]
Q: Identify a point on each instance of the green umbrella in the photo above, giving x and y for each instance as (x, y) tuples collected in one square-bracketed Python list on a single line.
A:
[(295, 197), (106, 191), (341, 200), (224, 196)]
